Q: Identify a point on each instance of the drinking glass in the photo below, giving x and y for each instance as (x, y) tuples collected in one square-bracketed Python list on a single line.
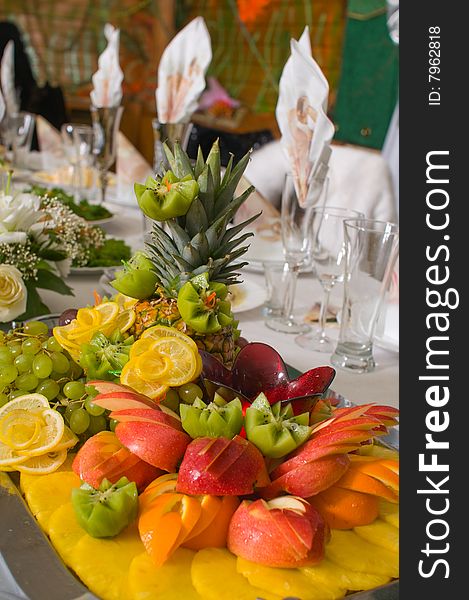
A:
[(22, 129), (170, 133), (296, 241), (372, 248), (106, 121), (77, 143), (327, 255)]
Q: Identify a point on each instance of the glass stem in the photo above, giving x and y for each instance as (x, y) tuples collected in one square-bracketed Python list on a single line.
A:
[(103, 184), (323, 311), (290, 292)]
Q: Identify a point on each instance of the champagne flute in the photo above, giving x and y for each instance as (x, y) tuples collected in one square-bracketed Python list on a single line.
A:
[(296, 240), (106, 121), (328, 255)]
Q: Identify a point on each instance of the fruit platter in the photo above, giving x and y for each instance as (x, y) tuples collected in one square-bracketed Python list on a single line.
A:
[(163, 456)]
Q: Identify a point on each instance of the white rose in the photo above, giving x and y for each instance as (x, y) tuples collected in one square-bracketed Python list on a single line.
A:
[(19, 213), (13, 237), (13, 293)]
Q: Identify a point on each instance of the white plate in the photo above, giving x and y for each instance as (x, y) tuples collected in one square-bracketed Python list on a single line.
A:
[(247, 295)]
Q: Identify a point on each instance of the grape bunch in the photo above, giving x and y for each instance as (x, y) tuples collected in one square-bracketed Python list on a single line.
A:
[(33, 361)]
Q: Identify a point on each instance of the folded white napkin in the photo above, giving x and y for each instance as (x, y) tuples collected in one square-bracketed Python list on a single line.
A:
[(181, 73), (107, 81), (7, 78), (131, 166), (302, 119)]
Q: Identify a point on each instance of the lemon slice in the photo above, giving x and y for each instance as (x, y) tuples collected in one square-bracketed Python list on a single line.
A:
[(140, 346), (43, 464), (50, 436), (29, 402), (125, 301), (152, 366), (69, 439), (89, 317), (19, 428), (9, 458), (131, 376), (125, 320), (107, 311), (180, 358), (161, 331)]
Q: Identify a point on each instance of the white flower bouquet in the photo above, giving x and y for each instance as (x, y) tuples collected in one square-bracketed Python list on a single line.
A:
[(40, 238)]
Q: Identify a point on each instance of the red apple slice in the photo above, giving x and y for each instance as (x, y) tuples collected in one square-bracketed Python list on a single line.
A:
[(120, 400), (158, 444), (106, 387), (146, 415)]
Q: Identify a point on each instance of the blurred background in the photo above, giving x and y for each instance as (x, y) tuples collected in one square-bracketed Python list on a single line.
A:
[(250, 39)]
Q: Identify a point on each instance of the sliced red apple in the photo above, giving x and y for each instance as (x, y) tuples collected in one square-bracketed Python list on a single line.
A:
[(159, 444), (285, 532), (146, 415), (121, 400), (221, 467)]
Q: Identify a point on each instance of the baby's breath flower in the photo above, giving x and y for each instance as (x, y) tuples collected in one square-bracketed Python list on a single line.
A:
[(20, 256)]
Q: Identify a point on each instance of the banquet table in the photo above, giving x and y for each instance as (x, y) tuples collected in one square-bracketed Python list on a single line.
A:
[(379, 386)]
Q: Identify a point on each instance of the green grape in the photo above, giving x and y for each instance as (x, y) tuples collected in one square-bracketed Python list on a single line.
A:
[(92, 408), (97, 424), (74, 390), (55, 376), (72, 406), (79, 421), (3, 399), (53, 345), (75, 371), (36, 328), (189, 392), (15, 393), (15, 349), (48, 388), (113, 424), (6, 357), (171, 400), (42, 366), (27, 382), (60, 362), (8, 374), (24, 363), (31, 346)]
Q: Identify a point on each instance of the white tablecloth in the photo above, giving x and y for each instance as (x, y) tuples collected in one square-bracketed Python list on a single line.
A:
[(379, 386)]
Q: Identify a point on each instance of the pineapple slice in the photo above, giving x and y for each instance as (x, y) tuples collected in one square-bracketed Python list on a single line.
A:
[(48, 492), (26, 479), (288, 582), (389, 512), (172, 581), (350, 551), (381, 534), (215, 577), (103, 564), (64, 532), (327, 573)]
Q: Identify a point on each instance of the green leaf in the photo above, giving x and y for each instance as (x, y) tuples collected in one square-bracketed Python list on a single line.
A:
[(46, 280)]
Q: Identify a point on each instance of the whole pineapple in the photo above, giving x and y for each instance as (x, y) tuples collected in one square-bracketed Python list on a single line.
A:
[(197, 246)]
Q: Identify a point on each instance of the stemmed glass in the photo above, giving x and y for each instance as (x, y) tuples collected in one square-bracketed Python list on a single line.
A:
[(77, 143), (327, 255), (106, 121), (296, 240)]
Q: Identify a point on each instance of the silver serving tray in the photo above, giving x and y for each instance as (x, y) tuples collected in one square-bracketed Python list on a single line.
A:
[(40, 573)]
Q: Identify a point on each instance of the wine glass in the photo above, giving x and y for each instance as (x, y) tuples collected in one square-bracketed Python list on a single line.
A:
[(296, 240), (106, 121), (327, 255), (77, 143)]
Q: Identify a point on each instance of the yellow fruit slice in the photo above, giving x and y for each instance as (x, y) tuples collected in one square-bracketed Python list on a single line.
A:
[(88, 318), (152, 366), (103, 564), (181, 360), (389, 512), (107, 312), (131, 376), (50, 436), (64, 531), (327, 573), (215, 577), (140, 347), (158, 331), (69, 439), (43, 464), (350, 551), (49, 492), (287, 582), (28, 402), (381, 534), (124, 301), (377, 451), (27, 479), (125, 320), (20, 428), (171, 581), (9, 458)]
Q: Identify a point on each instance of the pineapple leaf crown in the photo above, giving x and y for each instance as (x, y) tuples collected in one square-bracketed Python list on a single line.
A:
[(201, 241)]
